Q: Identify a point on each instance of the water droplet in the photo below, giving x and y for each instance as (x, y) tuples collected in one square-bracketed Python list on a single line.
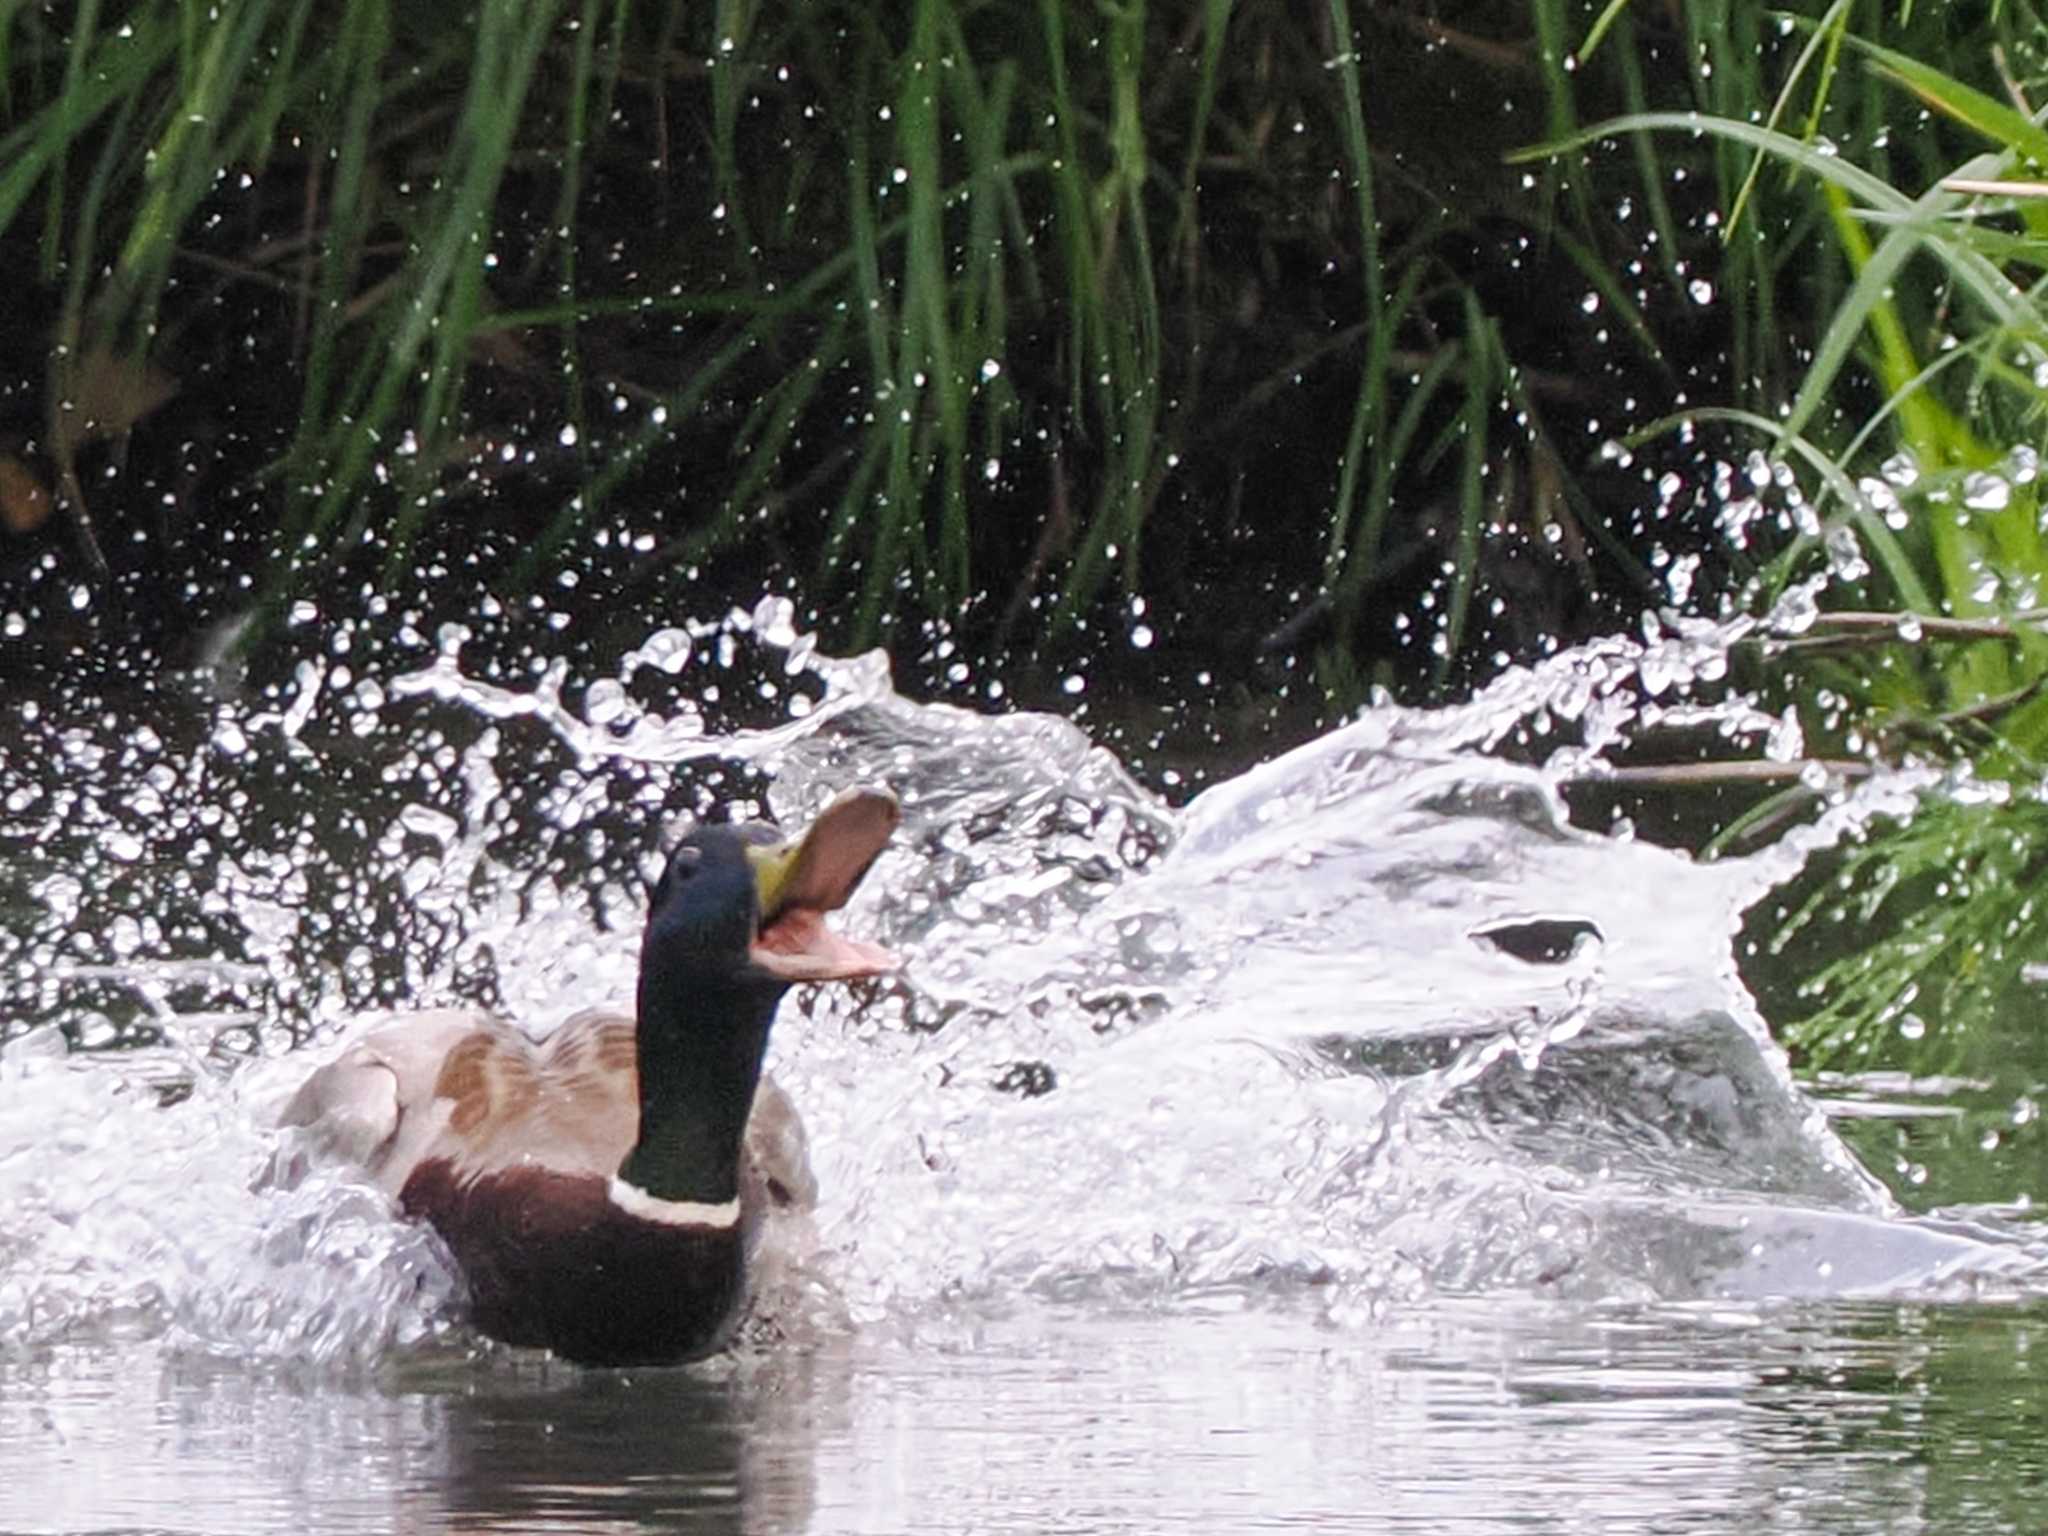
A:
[(604, 702), (775, 621), (666, 649), (425, 821), (1986, 492)]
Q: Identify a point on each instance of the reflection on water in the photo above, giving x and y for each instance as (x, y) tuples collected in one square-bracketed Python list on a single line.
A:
[(1363, 1144), (1458, 1417)]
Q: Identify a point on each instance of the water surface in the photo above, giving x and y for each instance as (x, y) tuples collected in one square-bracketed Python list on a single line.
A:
[(1462, 1417), (1362, 1146)]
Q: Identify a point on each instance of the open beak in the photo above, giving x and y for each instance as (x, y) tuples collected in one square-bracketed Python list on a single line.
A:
[(803, 879)]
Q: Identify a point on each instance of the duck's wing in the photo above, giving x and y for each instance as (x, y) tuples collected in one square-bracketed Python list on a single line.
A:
[(775, 1169), (790, 1292), (473, 1092), (356, 1106)]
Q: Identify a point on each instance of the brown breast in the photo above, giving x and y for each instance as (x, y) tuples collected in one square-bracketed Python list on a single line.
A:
[(551, 1261)]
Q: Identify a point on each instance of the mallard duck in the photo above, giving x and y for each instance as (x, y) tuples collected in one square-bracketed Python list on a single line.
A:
[(601, 1190)]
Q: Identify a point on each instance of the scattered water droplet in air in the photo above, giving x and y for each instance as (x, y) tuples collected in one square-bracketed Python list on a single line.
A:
[(775, 621), (1986, 492)]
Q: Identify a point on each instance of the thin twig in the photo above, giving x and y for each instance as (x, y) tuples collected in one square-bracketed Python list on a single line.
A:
[(1511, 58), (1991, 709), (2015, 93), (1962, 629), (1831, 630), (1994, 188), (1745, 771)]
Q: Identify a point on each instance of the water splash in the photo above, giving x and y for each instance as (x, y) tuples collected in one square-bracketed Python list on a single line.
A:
[(128, 1220), (1371, 1021)]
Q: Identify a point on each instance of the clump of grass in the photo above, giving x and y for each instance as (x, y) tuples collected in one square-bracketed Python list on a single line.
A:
[(1928, 506), (988, 309), (1954, 896), (962, 279)]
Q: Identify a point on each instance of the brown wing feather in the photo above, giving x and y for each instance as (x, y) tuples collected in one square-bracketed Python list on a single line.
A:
[(778, 1160), (477, 1094), (570, 1103)]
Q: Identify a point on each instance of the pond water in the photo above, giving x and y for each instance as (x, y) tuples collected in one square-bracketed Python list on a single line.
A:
[(1360, 1146), (1456, 1416)]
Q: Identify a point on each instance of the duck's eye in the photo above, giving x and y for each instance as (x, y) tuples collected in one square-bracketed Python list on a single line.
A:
[(681, 865)]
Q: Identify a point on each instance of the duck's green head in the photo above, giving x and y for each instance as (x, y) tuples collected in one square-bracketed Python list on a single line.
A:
[(736, 919), (745, 900)]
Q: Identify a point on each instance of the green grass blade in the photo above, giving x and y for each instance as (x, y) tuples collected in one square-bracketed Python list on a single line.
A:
[(2003, 125), (1829, 28), (120, 68)]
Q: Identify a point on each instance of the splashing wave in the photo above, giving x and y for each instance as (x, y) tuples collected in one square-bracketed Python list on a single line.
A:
[(1370, 1021)]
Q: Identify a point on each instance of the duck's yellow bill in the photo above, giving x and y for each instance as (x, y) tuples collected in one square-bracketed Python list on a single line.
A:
[(801, 880)]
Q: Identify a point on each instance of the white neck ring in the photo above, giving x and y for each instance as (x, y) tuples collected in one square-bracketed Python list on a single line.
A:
[(635, 1201)]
